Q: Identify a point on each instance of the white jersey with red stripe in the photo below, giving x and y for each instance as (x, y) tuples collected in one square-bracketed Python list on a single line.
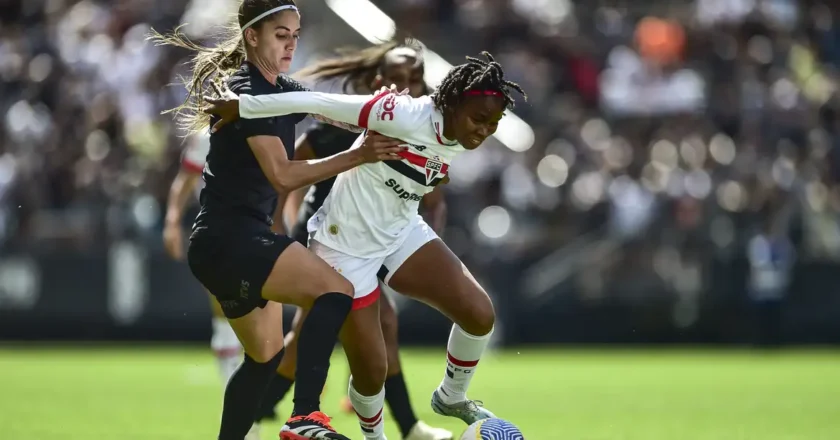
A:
[(194, 155), (372, 207)]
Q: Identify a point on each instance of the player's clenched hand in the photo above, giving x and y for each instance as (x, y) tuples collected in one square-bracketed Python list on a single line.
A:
[(377, 147), (226, 107)]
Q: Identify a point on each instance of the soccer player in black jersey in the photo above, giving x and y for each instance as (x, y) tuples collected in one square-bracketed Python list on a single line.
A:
[(233, 251), (399, 63)]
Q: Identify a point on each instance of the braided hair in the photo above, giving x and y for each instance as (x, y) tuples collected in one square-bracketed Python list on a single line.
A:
[(475, 74)]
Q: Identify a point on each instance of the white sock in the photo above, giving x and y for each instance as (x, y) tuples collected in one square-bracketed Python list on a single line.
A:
[(462, 355), (369, 411), (226, 347)]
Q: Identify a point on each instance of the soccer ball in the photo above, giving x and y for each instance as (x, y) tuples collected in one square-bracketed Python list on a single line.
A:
[(492, 429)]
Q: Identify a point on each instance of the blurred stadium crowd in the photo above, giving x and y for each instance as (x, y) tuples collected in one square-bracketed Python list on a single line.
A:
[(679, 132)]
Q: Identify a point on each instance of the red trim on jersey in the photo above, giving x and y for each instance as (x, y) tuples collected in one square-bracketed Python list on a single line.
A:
[(364, 114), (367, 300), (437, 134), (459, 363), (192, 167), (421, 161), (440, 137)]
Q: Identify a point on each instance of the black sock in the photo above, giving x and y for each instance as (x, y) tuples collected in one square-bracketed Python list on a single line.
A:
[(276, 391), (243, 394), (396, 394), (318, 336)]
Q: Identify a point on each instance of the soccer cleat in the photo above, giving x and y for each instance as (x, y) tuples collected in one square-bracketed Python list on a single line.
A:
[(315, 426), (470, 411), (254, 433), (422, 431)]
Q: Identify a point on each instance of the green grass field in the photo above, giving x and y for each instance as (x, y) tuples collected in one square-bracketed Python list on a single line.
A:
[(174, 394)]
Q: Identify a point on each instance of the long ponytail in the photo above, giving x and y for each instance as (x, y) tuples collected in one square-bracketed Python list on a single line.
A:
[(207, 65)]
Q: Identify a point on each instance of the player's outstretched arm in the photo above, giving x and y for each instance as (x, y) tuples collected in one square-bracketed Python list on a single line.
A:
[(364, 111), (288, 175)]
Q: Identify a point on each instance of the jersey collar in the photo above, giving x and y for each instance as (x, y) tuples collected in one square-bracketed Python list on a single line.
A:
[(437, 126)]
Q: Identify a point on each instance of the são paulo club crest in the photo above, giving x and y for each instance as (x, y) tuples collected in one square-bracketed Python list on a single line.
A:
[(433, 168)]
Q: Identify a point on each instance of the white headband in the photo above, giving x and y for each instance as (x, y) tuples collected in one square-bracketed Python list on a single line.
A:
[(267, 13)]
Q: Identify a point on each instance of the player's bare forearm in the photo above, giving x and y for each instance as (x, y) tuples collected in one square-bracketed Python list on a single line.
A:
[(288, 175), (300, 173)]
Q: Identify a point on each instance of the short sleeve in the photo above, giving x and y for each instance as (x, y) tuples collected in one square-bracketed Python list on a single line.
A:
[(391, 114), (289, 84), (195, 154), (250, 127)]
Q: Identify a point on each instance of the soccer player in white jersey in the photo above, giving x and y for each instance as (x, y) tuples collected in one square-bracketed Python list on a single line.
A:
[(223, 342), (398, 62), (370, 220)]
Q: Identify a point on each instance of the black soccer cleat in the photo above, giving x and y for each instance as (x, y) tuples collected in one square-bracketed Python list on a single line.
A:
[(315, 426)]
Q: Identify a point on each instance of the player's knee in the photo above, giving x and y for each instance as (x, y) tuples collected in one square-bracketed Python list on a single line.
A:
[(482, 318), (372, 378), (267, 353), (339, 284)]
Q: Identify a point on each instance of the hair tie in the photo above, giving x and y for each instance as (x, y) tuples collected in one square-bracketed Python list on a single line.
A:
[(267, 13)]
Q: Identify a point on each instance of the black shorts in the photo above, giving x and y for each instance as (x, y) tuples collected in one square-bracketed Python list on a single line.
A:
[(235, 265)]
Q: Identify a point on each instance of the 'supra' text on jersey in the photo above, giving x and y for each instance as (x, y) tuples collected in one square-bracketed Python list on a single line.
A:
[(234, 183), (371, 208)]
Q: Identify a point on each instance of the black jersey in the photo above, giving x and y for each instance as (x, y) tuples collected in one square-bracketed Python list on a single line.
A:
[(235, 185), (326, 140)]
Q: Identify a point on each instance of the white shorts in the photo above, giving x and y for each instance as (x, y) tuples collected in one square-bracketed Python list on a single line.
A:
[(365, 273)]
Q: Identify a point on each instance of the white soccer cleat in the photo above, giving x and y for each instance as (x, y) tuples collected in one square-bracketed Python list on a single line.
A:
[(422, 431), (470, 411), (254, 433)]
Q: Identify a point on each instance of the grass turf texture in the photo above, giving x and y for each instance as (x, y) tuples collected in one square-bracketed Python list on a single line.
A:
[(174, 394)]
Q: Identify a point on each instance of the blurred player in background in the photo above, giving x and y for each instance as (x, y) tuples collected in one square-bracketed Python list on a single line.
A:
[(358, 72), (369, 226)]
